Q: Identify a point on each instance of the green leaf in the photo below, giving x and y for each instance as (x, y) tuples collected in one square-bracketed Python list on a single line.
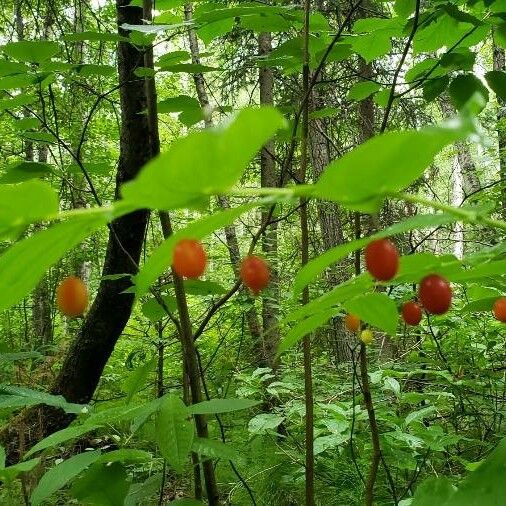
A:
[(152, 310), (188, 107), (139, 493), (102, 485), (203, 163), (384, 166), (485, 485), (214, 406), (433, 491), (377, 309), (214, 449), (362, 90), (32, 51), (463, 87), (22, 355), (404, 8), (125, 455), (317, 265), (61, 436), (480, 305), (11, 472), (24, 171), (174, 432), (17, 81), (421, 414), (13, 396), (186, 502), (58, 476), (432, 88), (497, 81), (23, 265), (304, 328), (94, 70), (172, 58), (162, 256), (137, 379), (16, 102), (203, 287), (23, 204)]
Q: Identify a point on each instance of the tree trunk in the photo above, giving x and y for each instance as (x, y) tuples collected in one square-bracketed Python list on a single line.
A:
[(111, 309), (269, 178), (500, 65)]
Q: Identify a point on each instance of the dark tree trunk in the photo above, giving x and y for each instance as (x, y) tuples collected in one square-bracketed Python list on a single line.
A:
[(89, 352)]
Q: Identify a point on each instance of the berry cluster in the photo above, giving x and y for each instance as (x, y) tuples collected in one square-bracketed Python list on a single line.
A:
[(434, 291)]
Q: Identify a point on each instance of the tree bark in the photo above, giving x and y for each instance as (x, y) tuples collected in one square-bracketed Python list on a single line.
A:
[(269, 178), (111, 309), (500, 65)]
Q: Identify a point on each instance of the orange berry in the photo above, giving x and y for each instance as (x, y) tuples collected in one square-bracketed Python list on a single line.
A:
[(412, 313), (435, 294), (255, 273), (500, 309), (352, 322), (72, 297), (190, 259)]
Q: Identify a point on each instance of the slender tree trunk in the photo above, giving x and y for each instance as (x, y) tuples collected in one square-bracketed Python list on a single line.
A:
[(500, 65), (191, 367), (269, 178), (111, 309)]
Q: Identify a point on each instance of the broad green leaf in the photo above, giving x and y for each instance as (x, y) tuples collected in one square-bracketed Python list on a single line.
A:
[(32, 51), (16, 102), (174, 432), (172, 58), (485, 485), (161, 258), (25, 203), (480, 305), (362, 90), (94, 70), (23, 265), (61, 436), (317, 265), (9, 68), (214, 449), (124, 455), (221, 406), (418, 70), (17, 81), (433, 491), (376, 309), (155, 312), (188, 107), (304, 328), (11, 472), (14, 397), (265, 423), (26, 123), (24, 171), (203, 287), (463, 87), (404, 7), (137, 379), (140, 492), (360, 179), (43, 137), (58, 476), (433, 87), (421, 414), (497, 81), (102, 485), (203, 163), (21, 355), (186, 502)]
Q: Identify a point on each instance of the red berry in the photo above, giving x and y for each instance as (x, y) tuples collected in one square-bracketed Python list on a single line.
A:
[(255, 273), (72, 297), (189, 259), (435, 294), (352, 322), (382, 259), (500, 309), (412, 313)]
